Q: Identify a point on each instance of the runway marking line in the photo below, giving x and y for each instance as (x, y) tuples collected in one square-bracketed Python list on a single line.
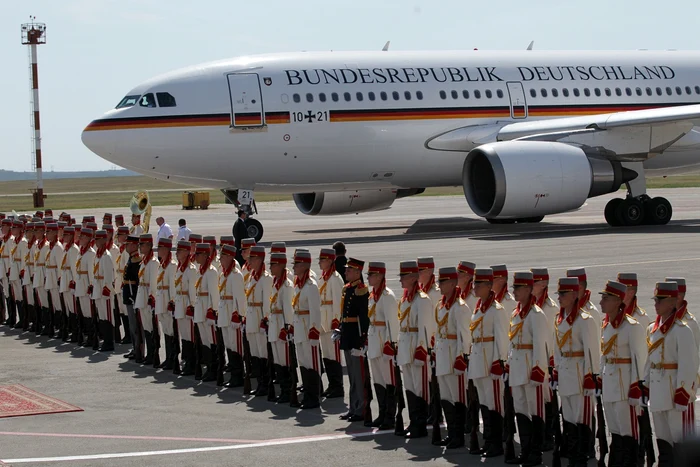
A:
[(137, 438)]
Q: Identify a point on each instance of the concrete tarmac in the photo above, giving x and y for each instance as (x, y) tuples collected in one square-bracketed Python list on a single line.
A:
[(135, 415)]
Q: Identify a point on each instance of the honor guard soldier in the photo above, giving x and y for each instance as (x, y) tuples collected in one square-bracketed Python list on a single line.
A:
[(416, 324), (211, 241), (130, 286), (3, 276), (7, 246), (52, 278), (107, 219), (465, 270), (500, 287), (258, 293), (584, 295), (307, 329), (28, 279), (576, 361), (185, 297), (353, 339), (146, 297), (205, 309), (17, 253), (623, 358), (527, 368), (281, 247), (194, 240), (426, 278), (631, 306), (231, 304), (381, 343), (136, 228), (246, 245), (119, 221), (281, 317), (113, 249), (671, 370), (68, 261), (102, 293), (165, 304), (331, 290), (489, 337), (43, 310), (550, 308), (120, 260), (452, 343), (83, 279)]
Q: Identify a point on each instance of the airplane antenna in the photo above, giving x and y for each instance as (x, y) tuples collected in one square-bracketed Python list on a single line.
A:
[(529, 47), (34, 34), (386, 46)]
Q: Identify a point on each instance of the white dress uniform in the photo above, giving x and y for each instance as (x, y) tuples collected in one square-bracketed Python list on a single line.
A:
[(383, 330), (416, 325), (83, 278), (28, 267), (330, 288), (136, 230), (165, 293), (120, 260), (452, 341), (231, 304), (469, 297), (17, 255), (68, 262), (206, 304), (53, 274), (623, 358), (8, 244), (592, 310), (102, 288), (307, 316), (114, 254), (258, 291), (281, 313), (638, 313), (39, 280), (671, 372), (186, 295), (146, 293)]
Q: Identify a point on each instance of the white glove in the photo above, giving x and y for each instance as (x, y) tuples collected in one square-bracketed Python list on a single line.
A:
[(504, 377), (599, 393), (335, 336), (680, 408), (554, 385), (242, 327)]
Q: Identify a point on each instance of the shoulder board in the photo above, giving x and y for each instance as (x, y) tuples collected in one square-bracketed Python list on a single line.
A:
[(641, 311), (361, 290), (387, 292), (631, 319), (423, 294), (498, 306), (461, 302), (585, 315)]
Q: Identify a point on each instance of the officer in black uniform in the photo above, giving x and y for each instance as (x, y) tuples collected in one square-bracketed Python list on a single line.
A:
[(130, 287), (240, 231), (353, 340)]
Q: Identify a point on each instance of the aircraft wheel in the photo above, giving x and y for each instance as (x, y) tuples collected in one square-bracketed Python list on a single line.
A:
[(610, 209), (255, 229), (658, 211), (630, 212)]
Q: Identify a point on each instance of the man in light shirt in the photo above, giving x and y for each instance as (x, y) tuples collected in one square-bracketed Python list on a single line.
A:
[(183, 232), (164, 230)]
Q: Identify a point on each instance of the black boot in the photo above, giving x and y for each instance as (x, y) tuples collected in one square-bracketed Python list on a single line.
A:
[(263, 375), (486, 418), (167, 363), (11, 312), (236, 380), (198, 359), (616, 451), (19, 308), (419, 429), (473, 415), (108, 333), (213, 366), (665, 453), (434, 405), (390, 404), (525, 434), (127, 330), (117, 323), (254, 372), (187, 358), (334, 372), (329, 374), (460, 413), (450, 415), (410, 403), (535, 456), (149, 348), (495, 446), (45, 322), (549, 421), (229, 355), (283, 378), (583, 447), (312, 393), (380, 391), (630, 449)]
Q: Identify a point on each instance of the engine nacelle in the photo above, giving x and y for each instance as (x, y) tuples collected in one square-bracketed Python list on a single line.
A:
[(345, 202), (520, 179)]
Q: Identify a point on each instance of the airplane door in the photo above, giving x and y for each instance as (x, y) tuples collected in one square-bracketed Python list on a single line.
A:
[(246, 100), (518, 104)]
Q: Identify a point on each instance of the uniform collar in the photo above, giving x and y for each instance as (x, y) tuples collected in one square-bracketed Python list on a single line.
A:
[(665, 326), (523, 312), (682, 310), (484, 305), (571, 317), (629, 310), (616, 321)]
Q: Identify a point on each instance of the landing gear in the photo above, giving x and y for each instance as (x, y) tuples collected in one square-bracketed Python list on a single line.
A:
[(243, 199), (642, 210), (255, 229)]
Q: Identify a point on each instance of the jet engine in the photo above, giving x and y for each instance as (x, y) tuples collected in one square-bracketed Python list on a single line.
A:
[(350, 202)]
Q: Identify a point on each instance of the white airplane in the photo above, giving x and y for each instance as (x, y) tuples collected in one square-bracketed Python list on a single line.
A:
[(525, 133)]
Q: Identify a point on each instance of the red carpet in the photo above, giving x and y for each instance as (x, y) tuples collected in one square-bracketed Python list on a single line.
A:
[(18, 401)]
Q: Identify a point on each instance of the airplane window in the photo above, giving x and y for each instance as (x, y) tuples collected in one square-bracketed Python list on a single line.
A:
[(576, 92), (297, 98), (489, 94), (658, 91), (649, 92), (639, 91), (322, 97), (628, 91), (346, 96), (419, 95), (370, 95), (334, 96), (565, 91), (669, 91), (618, 91), (147, 100), (128, 101), (443, 95), (309, 97), (395, 95), (596, 91), (407, 95), (533, 93), (555, 92), (165, 99), (359, 96), (688, 90), (678, 90), (697, 89), (454, 94), (499, 93), (608, 92), (382, 95), (477, 94), (543, 91)]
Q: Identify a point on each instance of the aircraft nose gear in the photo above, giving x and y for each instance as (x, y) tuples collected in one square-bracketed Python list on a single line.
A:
[(640, 210), (255, 228)]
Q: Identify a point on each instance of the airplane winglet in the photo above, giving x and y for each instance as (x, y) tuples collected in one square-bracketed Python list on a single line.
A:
[(386, 46), (529, 47)]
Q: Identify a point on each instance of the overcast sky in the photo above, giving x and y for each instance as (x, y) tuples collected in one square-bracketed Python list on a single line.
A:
[(98, 49)]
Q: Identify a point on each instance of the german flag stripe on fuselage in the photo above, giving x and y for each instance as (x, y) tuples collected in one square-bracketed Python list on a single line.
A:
[(366, 115)]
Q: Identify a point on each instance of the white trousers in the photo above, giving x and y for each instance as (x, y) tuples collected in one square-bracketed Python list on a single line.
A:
[(416, 379), (329, 349), (85, 308), (490, 393), (671, 425), (578, 409), (166, 323), (453, 388), (186, 328), (120, 304), (621, 418), (382, 370), (207, 333), (43, 297), (105, 312), (280, 353), (29, 292), (309, 356), (69, 301), (233, 338), (529, 399), (258, 344), (55, 299), (146, 317), (17, 290)]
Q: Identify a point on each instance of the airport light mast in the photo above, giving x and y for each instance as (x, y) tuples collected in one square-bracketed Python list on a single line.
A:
[(34, 34)]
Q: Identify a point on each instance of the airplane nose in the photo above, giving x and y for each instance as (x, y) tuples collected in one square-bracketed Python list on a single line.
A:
[(100, 141)]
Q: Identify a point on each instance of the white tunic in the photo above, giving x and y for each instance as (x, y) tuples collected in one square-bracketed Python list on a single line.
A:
[(527, 349), (331, 292), (489, 333), (231, 298), (53, 267), (623, 356), (165, 287), (185, 295), (83, 273), (307, 310), (577, 351), (102, 276), (452, 335), (148, 277), (258, 293), (383, 322), (207, 291), (416, 325), (281, 309)]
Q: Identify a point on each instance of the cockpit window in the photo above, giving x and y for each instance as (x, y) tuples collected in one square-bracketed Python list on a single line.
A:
[(128, 101), (147, 100), (165, 99)]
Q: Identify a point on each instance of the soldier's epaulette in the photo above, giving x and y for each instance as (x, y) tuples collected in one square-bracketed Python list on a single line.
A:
[(498, 305), (585, 314), (423, 294), (642, 311), (631, 319), (361, 290)]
